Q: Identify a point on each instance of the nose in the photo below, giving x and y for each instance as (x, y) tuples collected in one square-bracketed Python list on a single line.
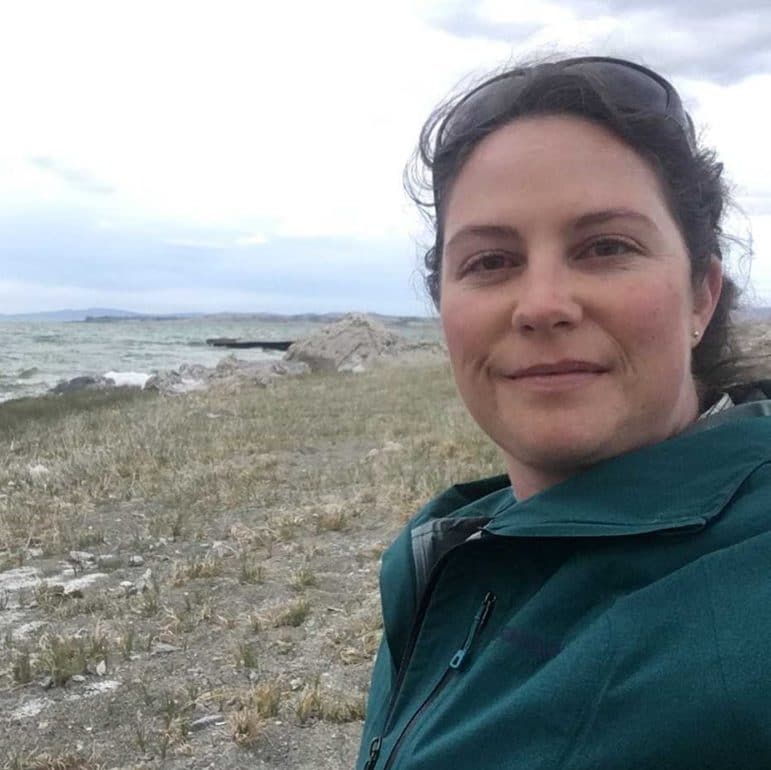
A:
[(546, 301)]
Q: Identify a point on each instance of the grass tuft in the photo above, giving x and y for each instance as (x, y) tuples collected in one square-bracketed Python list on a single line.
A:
[(294, 614)]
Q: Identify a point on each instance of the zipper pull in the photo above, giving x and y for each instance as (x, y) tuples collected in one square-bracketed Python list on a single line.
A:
[(374, 753), (479, 623)]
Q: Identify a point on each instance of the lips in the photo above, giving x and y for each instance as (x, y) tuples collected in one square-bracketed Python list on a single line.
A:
[(558, 368)]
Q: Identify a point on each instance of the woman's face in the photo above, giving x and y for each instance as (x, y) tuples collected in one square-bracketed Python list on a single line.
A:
[(566, 299)]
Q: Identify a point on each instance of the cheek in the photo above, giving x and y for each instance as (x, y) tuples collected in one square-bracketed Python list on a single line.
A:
[(459, 322), (653, 322)]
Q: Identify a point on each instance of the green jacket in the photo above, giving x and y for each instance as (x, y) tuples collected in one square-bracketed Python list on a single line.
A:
[(621, 619)]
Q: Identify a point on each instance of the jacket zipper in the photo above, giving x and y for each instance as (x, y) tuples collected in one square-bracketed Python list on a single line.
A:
[(455, 665)]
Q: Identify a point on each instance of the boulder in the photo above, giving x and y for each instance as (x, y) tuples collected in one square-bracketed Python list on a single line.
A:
[(229, 372), (174, 383), (82, 383), (351, 344)]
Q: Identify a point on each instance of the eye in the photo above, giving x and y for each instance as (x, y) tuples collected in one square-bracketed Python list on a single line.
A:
[(489, 263), (609, 247)]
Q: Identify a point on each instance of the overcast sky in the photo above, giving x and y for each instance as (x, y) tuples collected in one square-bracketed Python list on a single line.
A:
[(173, 156)]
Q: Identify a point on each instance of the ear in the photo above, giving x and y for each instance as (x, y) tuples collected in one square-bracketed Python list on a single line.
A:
[(706, 295)]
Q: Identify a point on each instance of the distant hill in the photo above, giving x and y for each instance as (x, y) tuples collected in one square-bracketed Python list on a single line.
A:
[(108, 315), (69, 315)]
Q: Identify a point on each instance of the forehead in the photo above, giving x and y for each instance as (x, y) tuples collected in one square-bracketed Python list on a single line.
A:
[(551, 167)]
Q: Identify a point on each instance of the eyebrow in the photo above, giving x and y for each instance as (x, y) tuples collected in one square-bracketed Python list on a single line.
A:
[(586, 220), (483, 231), (601, 217)]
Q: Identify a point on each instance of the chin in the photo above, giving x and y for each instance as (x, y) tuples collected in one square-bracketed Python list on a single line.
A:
[(562, 459), (564, 451)]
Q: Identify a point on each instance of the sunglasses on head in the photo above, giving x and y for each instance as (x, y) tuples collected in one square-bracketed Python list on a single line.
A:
[(629, 86)]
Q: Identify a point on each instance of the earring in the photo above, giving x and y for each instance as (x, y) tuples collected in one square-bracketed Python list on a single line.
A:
[(696, 334)]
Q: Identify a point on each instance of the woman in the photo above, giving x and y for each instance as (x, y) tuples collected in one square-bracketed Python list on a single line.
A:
[(607, 603)]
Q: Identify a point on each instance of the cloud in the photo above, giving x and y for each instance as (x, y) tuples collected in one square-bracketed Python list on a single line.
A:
[(78, 180), (714, 9), (722, 42), (273, 163), (255, 239), (65, 248)]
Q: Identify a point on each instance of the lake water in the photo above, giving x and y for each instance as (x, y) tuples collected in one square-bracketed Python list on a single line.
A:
[(36, 356)]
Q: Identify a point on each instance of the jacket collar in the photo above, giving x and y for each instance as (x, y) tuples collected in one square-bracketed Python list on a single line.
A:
[(678, 484)]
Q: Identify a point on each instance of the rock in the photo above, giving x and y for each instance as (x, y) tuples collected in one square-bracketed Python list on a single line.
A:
[(388, 448), (228, 365), (174, 383), (129, 589), (136, 561), (290, 368), (79, 678), (81, 557), (295, 684), (55, 589), (193, 371), (161, 648), (204, 722), (109, 561), (145, 583), (101, 668), (82, 383), (229, 372), (221, 550), (351, 343), (33, 553)]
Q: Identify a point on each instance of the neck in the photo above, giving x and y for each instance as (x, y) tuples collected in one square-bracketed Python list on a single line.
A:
[(530, 478), (526, 481)]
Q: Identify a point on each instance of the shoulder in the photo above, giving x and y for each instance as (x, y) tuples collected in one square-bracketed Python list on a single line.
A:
[(399, 572)]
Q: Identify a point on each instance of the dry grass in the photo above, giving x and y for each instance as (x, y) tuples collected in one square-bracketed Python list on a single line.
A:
[(169, 454), (246, 726), (294, 614), (299, 486), (45, 761), (328, 705), (196, 567)]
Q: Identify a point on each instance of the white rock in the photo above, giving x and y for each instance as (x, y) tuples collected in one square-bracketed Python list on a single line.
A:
[(81, 557), (161, 648), (204, 722)]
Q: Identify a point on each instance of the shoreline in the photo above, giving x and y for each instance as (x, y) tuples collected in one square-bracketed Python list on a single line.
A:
[(35, 362)]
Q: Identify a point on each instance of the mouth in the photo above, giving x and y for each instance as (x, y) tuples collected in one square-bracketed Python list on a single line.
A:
[(558, 369), (558, 376)]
